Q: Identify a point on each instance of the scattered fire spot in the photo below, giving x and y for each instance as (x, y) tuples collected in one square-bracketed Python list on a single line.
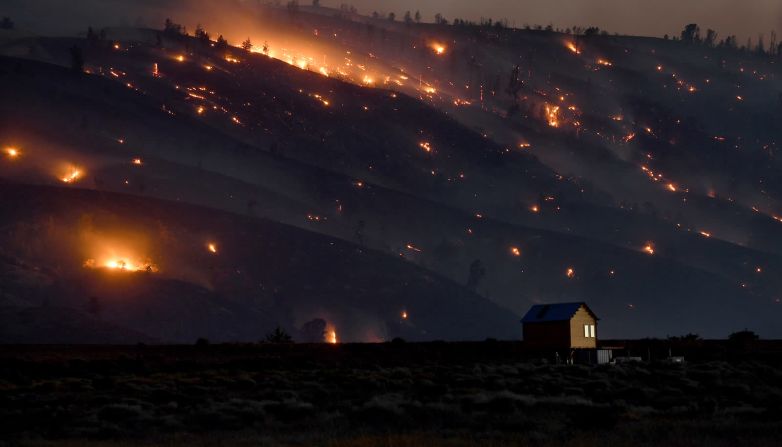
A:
[(515, 251), (72, 176)]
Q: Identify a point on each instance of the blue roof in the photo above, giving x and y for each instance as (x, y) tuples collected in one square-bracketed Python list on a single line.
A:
[(541, 313)]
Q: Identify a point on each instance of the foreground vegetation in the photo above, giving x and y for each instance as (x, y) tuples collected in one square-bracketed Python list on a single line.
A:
[(395, 394)]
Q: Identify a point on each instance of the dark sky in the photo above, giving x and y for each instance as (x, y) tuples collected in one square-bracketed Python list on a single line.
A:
[(745, 18)]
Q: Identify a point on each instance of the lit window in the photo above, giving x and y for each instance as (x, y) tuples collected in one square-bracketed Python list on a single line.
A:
[(591, 331), (586, 331)]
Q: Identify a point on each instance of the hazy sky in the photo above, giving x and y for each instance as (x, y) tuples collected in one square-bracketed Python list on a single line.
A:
[(745, 18), (642, 17)]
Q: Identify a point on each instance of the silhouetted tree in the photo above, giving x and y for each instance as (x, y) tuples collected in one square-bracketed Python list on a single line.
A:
[(221, 44), (77, 59), (316, 3), (477, 272), (278, 335), (202, 342), (408, 17), (202, 36), (92, 37), (173, 29), (418, 17), (314, 331), (391, 16), (247, 45), (691, 33), (711, 38), (6, 23), (743, 337), (591, 31)]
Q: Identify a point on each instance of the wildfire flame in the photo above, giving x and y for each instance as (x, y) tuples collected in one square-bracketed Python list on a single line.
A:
[(73, 175), (552, 115), (649, 248), (404, 315), (331, 335), (11, 152), (122, 264), (515, 251), (212, 247), (572, 47), (570, 272), (439, 49), (425, 146)]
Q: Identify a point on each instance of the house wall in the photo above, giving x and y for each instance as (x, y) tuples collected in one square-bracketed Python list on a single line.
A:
[(577, 339), (555, 334)]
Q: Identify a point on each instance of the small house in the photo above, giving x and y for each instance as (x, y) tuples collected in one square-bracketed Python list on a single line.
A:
[(561, 326)]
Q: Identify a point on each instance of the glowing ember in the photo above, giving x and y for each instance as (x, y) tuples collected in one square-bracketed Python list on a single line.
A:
[(572, 47), (649, 248), (570, 272), (515, 251), (534, 208), (704, 233), (404, 315), (671, 187), (11, 152), (604, 63), (200, 110), (430, 90), (180, 58), (425, 146), (438, 49), (212, 247), (413, 248), (552, 115), (208, 67), (138, 161), (72, 176), (155, 71)]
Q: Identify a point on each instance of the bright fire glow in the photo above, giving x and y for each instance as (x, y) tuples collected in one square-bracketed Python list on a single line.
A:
[(11, 152), (425, 146), (570, 272), (212, 247), (515, 251), (572, 47), (138, 162), (180, 58), (649, 248), (439, 49), (122, 264), (331, 335), (552, 115), (73, 175)]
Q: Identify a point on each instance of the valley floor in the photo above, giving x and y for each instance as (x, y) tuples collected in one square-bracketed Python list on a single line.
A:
[(393, 394)]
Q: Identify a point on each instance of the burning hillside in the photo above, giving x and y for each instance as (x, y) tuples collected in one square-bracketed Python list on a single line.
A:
[(497, 171)]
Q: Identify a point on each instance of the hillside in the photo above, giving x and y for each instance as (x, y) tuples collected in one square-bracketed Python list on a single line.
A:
[(555, 205)]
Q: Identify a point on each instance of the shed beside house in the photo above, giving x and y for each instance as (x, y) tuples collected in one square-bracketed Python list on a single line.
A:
[(560, 326)]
